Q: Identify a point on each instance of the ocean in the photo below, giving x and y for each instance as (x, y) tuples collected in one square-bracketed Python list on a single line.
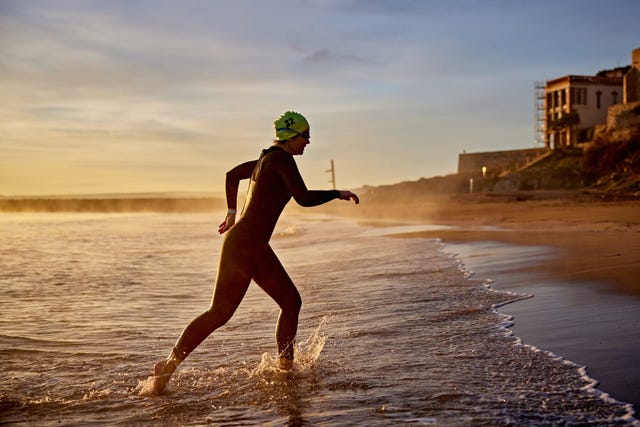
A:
[(393, 331)]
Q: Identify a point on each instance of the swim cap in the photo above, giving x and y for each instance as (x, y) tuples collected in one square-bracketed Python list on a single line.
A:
[(289, 125)]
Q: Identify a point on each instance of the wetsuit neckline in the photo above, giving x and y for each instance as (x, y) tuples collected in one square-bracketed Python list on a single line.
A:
[(272, 149)]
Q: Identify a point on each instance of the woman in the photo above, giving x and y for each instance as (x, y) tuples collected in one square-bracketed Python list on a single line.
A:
[(246, 253)]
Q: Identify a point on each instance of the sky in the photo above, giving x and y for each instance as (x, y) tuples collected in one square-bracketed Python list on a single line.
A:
[(140, 96)]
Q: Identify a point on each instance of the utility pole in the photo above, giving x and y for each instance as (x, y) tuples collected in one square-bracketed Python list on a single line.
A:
[(333, 175)]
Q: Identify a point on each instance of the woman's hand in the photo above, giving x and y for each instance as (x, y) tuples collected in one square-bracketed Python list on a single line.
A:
[(348, 195), (228, 222)]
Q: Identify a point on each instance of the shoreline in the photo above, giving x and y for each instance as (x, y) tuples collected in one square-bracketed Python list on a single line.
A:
[(607, 256), (595, 239), (578, 256), (581, 321)]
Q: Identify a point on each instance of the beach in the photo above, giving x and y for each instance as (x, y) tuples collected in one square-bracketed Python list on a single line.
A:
[(596, 240), (576, 253)]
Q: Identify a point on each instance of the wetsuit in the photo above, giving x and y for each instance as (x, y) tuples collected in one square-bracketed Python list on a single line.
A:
[(246, 253)]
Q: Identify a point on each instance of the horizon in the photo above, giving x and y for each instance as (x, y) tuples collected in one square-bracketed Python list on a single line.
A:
[(154, 194), (165, 97)]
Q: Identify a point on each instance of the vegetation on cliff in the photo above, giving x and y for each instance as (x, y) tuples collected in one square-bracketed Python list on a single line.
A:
[(612, 162)]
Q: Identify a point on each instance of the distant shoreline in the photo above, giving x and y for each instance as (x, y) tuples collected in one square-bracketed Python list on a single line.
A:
[(111, 204)]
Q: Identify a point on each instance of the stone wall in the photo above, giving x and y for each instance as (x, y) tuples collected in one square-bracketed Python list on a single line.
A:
[(496, 161), (623, 116)]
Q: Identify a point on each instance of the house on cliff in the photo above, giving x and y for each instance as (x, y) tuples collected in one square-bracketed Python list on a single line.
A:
[(575, 105), (575, 108)]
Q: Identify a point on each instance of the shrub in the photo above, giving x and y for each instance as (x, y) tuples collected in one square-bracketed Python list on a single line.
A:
[(607, 155)]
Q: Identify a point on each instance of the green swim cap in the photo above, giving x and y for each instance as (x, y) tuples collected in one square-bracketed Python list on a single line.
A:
[(289, 125)]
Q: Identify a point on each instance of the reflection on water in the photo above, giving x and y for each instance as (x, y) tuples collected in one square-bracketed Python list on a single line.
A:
[(392, 331)]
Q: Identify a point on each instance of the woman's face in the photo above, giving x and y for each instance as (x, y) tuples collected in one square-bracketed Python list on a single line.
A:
[(298, 142)]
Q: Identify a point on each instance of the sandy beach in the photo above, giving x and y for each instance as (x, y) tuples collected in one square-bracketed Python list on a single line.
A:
[(585, 275), (596, 240)]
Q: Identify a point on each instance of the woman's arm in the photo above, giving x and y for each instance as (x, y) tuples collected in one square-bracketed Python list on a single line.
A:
[(232, 182), (298, 190)]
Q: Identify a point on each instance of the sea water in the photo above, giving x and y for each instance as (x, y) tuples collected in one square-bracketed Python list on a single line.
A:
[(392, 332)]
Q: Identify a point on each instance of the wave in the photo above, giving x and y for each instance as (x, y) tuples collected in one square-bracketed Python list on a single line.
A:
[(590, 384)]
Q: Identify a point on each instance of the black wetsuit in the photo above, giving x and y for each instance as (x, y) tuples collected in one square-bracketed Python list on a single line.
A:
[(246, 253)]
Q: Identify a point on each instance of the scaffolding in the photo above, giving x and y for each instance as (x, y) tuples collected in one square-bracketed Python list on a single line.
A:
[(539, 112)]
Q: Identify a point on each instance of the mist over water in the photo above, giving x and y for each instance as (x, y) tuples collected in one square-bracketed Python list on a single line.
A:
[(119, 204), (392, 331)]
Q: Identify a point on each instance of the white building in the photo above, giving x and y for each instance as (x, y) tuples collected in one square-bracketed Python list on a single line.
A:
[(574, 105)]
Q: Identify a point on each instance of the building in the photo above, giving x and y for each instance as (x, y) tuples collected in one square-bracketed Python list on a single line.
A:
[(568, 111), (574, 105), (632, 79)]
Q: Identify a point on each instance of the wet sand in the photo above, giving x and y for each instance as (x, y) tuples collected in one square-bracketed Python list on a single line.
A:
[(579, 256), (595, 240)]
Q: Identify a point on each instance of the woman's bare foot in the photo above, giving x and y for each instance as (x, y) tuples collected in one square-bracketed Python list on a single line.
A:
[(162, 372), (285, 364)]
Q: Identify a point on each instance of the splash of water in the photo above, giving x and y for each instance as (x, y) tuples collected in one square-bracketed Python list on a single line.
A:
[(268, 370), (146, 387), (307, 354)]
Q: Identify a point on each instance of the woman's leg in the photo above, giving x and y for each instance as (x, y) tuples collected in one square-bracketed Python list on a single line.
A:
[(271, 276), (232, 282)]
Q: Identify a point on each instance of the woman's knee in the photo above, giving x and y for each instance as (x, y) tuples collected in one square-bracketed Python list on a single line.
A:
[(217, 317), (298, 302), (293, 305)]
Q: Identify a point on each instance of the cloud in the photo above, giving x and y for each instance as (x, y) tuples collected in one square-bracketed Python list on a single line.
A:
[(384, 7), (161, 85), (328, 56)]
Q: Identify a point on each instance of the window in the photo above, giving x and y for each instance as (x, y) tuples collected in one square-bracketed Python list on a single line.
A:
[(614, 97), (598, 97), (579, 95)]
